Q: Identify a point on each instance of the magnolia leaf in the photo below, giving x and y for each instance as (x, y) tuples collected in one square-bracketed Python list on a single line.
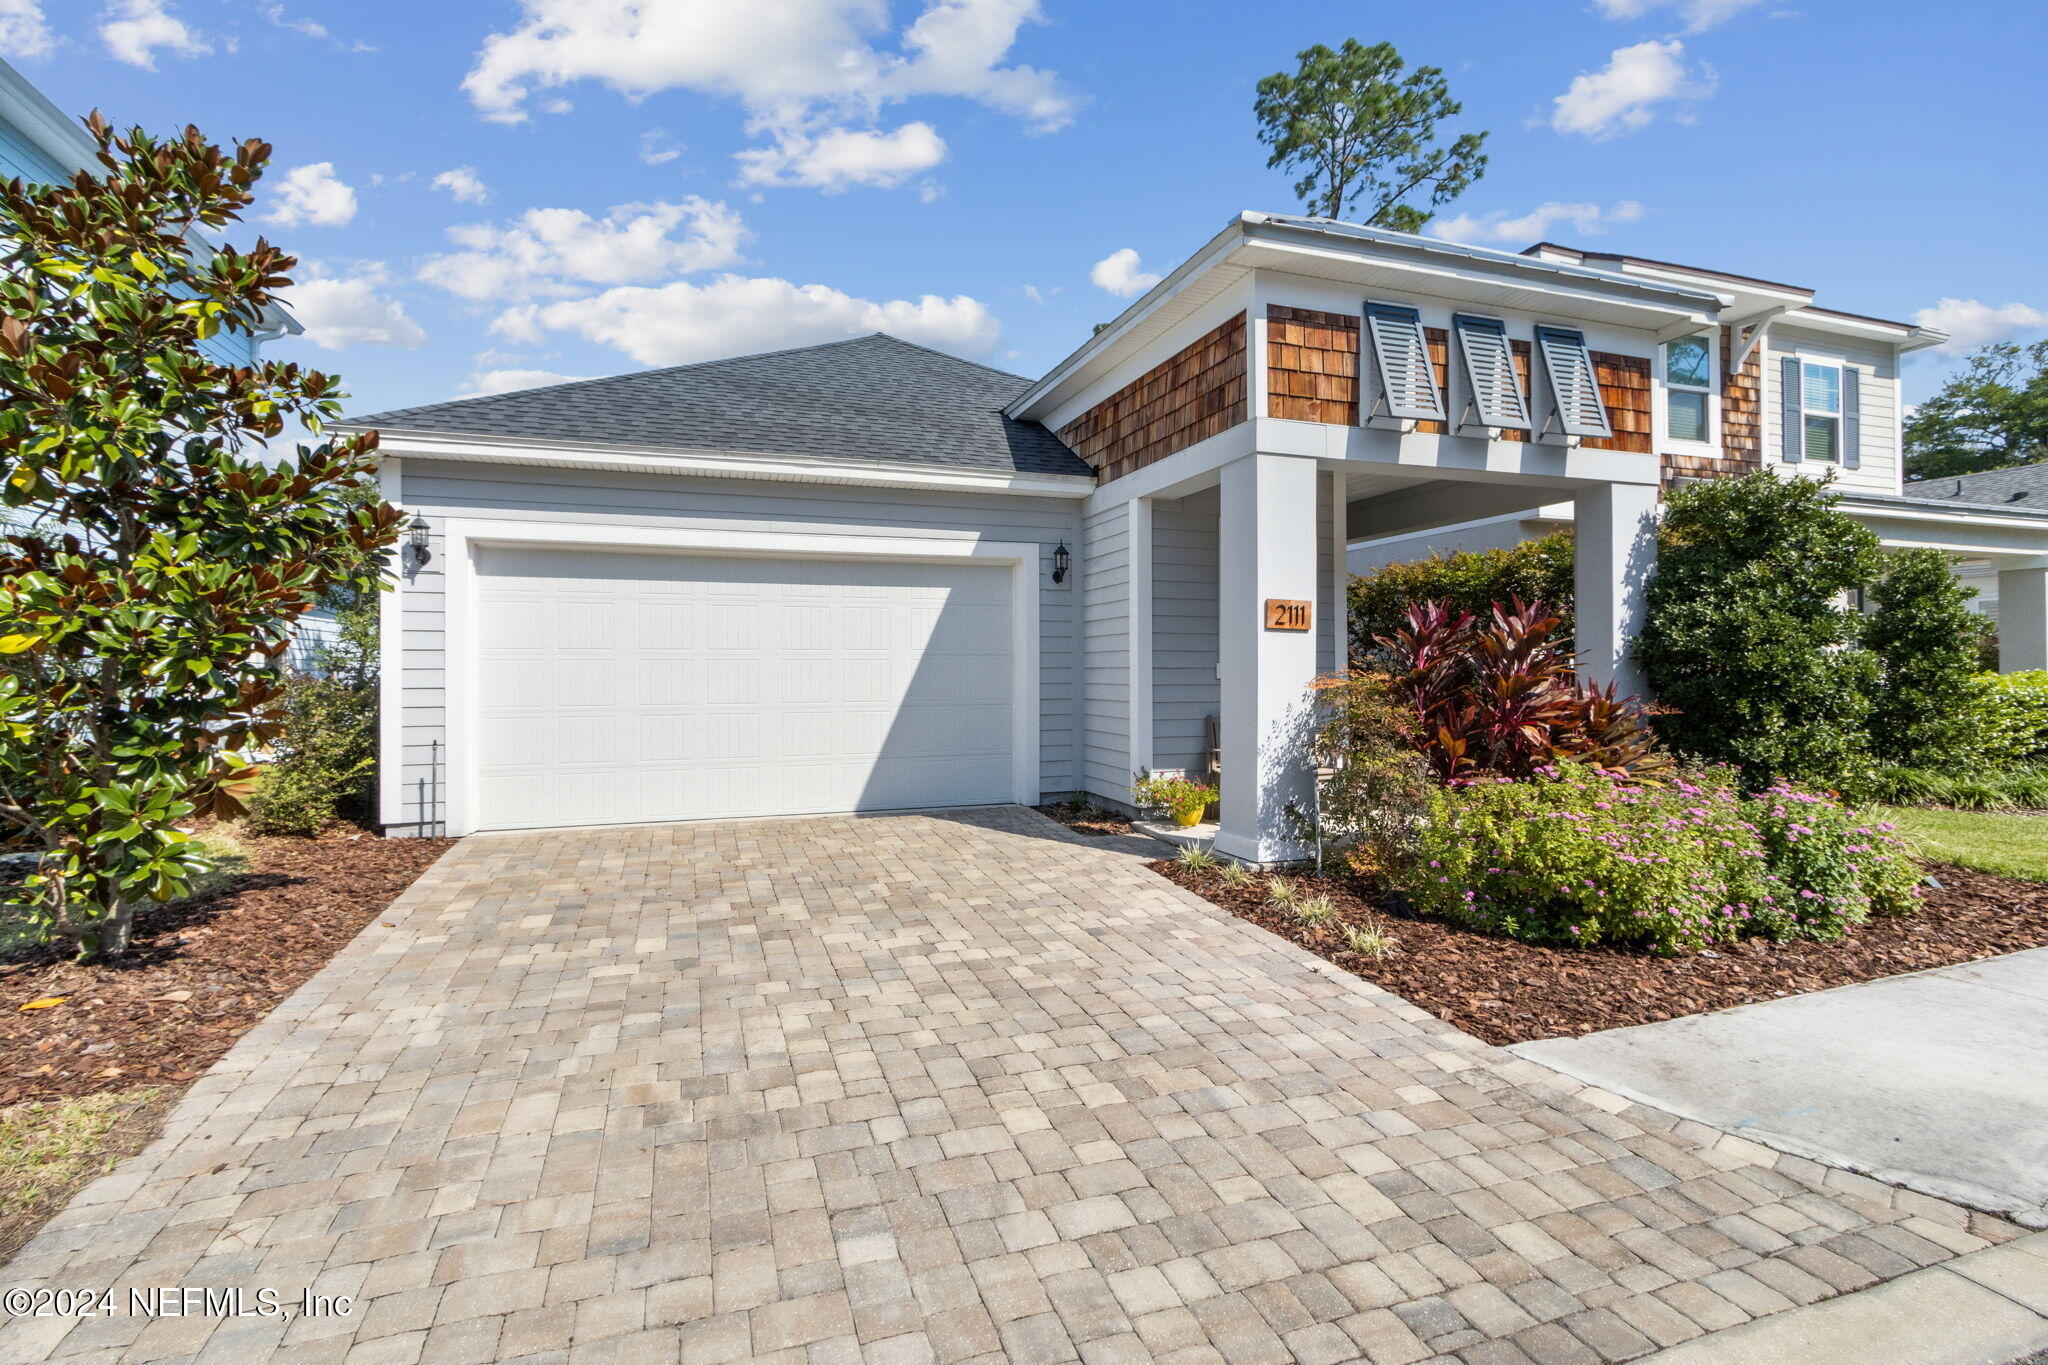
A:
[(47, 1002)]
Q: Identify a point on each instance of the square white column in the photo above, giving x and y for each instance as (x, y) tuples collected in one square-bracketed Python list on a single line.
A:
[(1138, 642), (1267, 549), (1615, 552), (2022, 619)]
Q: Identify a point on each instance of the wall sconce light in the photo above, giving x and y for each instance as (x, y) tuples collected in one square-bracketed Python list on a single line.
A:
[(416, 552), (1061, 561)]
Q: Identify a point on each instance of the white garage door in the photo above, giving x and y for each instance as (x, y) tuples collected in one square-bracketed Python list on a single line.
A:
[(617, 687)]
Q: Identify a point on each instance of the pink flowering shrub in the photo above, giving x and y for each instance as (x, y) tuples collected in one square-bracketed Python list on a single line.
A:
[(1576, 856)]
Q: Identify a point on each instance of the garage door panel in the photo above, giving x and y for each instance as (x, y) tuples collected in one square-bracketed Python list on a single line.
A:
[(652, 686)]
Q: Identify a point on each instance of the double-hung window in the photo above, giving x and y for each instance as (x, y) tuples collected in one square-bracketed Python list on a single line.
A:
[(1688, 380), (1820, 410)]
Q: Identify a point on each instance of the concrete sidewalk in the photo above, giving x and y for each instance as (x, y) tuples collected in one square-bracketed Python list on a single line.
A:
[(1936, 1081)]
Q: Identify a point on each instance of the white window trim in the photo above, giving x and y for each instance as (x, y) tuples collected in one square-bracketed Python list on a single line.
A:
[(464, 591), (1661, 421), (1821, 363)]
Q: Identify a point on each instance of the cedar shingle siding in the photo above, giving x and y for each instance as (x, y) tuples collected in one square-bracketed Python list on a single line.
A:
[(1311, 365), (1626, 390), (1197, 392), (1742, 425)]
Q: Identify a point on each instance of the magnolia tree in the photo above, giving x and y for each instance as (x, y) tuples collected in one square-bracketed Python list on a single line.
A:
[(158, 553)]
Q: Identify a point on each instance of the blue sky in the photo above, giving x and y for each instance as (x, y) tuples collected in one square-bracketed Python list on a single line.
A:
[(489, 191)]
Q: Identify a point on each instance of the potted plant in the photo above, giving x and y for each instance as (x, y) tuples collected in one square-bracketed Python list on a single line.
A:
[(1183, 799)]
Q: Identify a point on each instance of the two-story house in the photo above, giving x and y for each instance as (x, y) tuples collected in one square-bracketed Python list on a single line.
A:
[(865, 575), (1781, 382)]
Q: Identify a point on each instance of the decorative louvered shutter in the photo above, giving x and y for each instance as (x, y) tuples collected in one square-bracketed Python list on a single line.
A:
[(1491, 388), (1793, 437), (1400, 360), (1852, 417), (1574, 387)]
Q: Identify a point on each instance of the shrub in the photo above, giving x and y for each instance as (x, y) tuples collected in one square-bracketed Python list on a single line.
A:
[(1578, 857), (1927, 710), (1746, 638), (1379, 785), (1503, 698), (1468, 581), (1979, 789), (2016, 717), (325, 759)]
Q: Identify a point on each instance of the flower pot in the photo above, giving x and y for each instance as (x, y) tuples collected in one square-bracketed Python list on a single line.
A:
[(1185, 818)]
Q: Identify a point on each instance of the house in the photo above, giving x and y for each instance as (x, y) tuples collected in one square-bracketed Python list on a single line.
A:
[(41, 144), (1780, 382), (865, 575), (1997, 492)]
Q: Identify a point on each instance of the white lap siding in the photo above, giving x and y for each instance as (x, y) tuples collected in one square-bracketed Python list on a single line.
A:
[(1105, 642), (1185, 691), (445, 490)]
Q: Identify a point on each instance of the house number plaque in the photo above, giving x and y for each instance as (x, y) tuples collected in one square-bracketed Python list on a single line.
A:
[(1285, 613)]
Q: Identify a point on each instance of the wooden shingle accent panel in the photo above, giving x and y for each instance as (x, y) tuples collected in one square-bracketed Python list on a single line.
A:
[(1197, 392), (1626, 389), (1742, 425), (1311, 365)]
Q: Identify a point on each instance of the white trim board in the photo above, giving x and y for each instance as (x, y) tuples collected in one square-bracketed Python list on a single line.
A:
[(464, 535)]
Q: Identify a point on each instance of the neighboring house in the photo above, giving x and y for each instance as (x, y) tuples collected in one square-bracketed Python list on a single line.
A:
[(40, 143), (1780, 382), (2024, 489), (865, 575)]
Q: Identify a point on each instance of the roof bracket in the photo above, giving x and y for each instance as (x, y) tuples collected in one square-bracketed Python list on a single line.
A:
[(1750, 333)]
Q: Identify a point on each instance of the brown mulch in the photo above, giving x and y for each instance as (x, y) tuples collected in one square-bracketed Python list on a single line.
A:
[(1505, 991), (200, 973), (1087, 819)]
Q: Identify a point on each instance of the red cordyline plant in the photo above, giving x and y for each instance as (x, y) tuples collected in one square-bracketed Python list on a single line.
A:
[(1505, 699)]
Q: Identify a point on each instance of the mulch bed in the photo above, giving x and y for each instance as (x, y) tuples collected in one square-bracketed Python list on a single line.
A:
[(1088, 820), (1509, 992), (200, 973)]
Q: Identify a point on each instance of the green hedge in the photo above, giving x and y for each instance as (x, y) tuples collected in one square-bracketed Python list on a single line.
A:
[(1468, 580)]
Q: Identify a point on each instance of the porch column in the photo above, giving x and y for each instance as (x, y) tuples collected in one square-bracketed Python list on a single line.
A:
[(2022, 619), (1615, 553), (1138, 640), (1267, 549)]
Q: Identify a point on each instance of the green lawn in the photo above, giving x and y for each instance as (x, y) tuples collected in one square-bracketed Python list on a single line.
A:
[(1990, 841)]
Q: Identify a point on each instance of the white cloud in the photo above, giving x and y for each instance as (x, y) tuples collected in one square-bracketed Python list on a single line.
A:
[(547, 252), (314, 195), (487, 382), (680, 322), (133, 30), (843, 157), (809, 73), (464, 183), (657, 147), (1626, 94), (1699, 15), (1971, 324), (23, 31), (1119, 274), (1589, 219), (351, 309)]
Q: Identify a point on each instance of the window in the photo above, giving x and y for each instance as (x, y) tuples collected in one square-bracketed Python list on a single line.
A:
[(1688, 378), (1820, 405)]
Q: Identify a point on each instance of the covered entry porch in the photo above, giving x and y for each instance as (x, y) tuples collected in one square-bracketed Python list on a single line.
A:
[(1213, 593)]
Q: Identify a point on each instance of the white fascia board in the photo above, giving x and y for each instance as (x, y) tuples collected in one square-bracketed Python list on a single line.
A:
[(1392, 249), (1033, 400), (1898, 333), (726, 464)]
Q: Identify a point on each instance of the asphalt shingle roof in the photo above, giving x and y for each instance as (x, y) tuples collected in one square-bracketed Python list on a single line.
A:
[(2025, 486), (873, 398)]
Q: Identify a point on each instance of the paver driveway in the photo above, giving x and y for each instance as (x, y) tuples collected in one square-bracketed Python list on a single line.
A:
[(926, 1086)]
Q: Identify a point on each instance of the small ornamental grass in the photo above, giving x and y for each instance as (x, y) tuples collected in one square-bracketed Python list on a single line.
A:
[(1315, 910), (1576, 857), (1236, 874), (1369, 940), (1196, 858)]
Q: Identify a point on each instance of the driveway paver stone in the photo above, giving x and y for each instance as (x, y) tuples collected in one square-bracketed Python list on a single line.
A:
[(933, 1087)]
